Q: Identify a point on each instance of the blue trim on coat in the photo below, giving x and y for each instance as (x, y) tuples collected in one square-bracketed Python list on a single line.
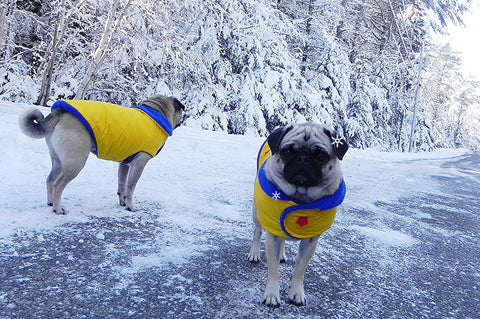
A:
[(259, 153), (268, 187), (67, 107), (325, 203), (157, 117)]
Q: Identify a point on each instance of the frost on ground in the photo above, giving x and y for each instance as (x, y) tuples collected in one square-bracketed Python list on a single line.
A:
[(404, 245)]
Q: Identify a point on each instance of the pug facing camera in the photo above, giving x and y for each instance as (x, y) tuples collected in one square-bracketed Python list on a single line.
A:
[(298, 188)]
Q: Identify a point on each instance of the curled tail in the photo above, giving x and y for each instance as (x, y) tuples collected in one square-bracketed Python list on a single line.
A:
[(34, 124)]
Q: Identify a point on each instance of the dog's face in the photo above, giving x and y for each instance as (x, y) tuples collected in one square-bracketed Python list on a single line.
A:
[(170, 107), (305, 161)]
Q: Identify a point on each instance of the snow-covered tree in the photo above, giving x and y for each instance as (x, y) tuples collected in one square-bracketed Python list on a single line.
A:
[(450, 96), (243, 66)]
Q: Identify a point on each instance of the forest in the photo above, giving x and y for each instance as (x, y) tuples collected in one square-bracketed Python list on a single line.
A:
[(375, 70)]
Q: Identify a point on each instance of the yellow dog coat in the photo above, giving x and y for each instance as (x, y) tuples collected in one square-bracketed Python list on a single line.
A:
[(286, 218), (119, 132)]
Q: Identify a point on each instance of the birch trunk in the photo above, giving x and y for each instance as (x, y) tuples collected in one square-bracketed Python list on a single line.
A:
[(47, 76), (111, 26), (60, 28), (3, 14), (417, 91)]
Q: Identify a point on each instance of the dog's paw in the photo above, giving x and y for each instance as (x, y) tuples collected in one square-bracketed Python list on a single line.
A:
[(121, 199), (298, 298), (128, 201), (253, 256), (272, 301), (60, 211), (131, 208), (271, 297)]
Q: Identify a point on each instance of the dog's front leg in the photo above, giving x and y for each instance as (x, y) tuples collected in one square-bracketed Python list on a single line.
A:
[(272, 291), (305, 252), (122, 182), (136, 168)]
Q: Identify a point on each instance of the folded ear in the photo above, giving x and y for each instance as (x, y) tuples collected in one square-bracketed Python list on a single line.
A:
[(275, 138), (339, 144), (178, 105)]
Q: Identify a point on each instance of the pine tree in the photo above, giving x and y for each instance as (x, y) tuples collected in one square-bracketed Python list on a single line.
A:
[(245, 66)]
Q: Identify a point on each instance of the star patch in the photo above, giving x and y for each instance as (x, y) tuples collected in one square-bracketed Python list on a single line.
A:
[(302, 221)]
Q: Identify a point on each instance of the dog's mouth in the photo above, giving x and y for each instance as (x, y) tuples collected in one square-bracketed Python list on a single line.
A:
[(301, 190), (301, 178)]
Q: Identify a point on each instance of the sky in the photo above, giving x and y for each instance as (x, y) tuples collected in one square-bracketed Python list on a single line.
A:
[(465, 39)]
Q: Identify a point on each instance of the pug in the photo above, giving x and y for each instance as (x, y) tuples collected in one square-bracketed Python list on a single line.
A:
[(130, 136), (298, 187)]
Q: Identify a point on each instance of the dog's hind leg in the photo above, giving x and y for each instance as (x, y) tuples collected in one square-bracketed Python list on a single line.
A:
[(283, 255), (137, 164), (69, 171), (254, 254), (68, 159), (305, 252), (123, 169), (54, 172)]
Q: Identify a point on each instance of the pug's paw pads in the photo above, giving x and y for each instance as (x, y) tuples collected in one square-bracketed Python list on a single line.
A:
[(297, 299), (60, 211), (253, 256), (131, 208), (272, 301)]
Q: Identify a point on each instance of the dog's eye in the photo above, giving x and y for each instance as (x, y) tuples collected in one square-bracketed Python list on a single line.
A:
[(287, 151), (320, 154)]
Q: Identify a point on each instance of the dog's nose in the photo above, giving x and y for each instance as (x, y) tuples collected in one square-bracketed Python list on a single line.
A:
[(303, 159)]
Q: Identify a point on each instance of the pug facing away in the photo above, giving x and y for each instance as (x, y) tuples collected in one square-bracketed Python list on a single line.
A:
[(130, 136), (298, 187)]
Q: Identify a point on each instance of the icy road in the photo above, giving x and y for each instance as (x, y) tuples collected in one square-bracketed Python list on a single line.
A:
[(406, 243)]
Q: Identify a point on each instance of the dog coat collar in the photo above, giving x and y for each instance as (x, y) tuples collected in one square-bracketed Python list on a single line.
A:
[(157, 117), (324, 203), (287, 218)]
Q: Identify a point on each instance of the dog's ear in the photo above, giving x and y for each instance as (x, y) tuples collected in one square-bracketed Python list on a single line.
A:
[(276, 137), (339, 144), (178, 105)]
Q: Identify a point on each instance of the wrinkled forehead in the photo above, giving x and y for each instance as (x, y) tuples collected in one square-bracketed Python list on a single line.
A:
[(308, 135)]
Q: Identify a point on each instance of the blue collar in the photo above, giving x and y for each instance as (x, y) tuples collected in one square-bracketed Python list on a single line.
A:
[(157, 117), (324, 203)]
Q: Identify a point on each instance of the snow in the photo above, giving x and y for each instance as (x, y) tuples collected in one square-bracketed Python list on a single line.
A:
[(386, 237), (197, 193)]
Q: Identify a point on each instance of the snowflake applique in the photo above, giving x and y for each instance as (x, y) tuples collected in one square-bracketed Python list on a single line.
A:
[(337, 141), (276, 195)]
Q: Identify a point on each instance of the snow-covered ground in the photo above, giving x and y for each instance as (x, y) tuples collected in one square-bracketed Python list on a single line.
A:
[(404, 245)]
